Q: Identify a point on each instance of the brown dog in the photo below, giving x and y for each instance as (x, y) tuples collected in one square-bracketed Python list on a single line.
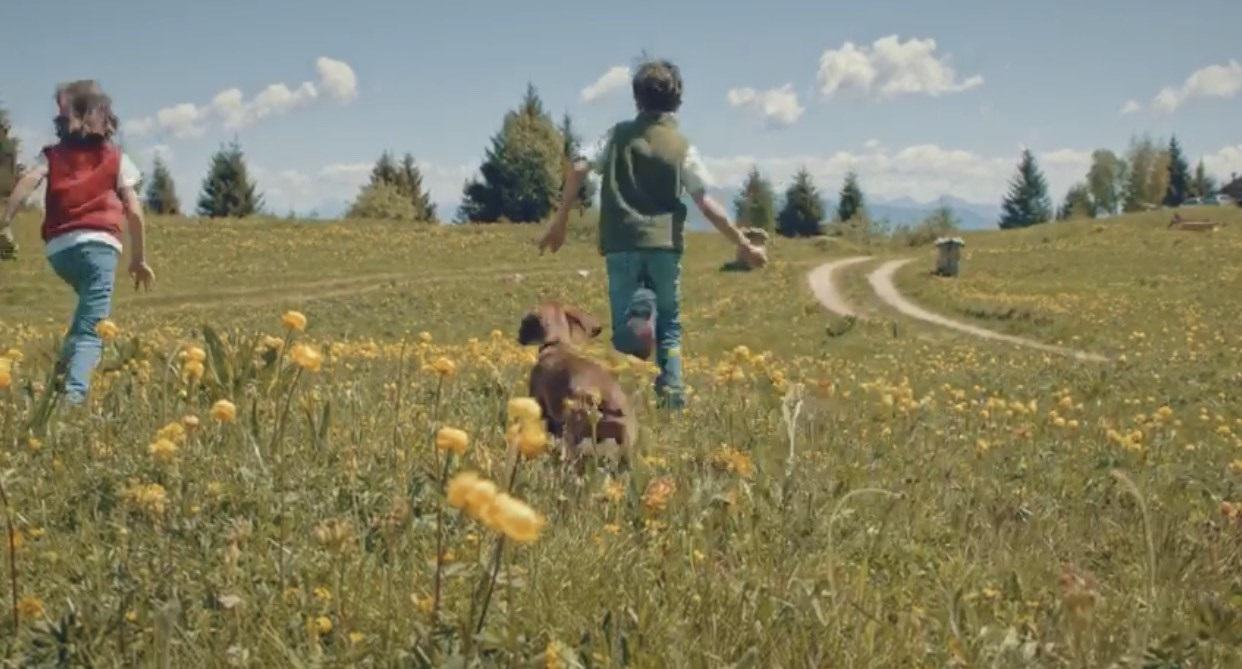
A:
[(567, 385)]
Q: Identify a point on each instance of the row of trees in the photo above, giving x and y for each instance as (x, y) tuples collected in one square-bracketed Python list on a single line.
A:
[(803, 213), (1148, 176)]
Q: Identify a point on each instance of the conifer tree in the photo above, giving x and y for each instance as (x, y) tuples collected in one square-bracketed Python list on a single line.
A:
[(385, 170), (1178, 188), (755, 206), (1203, 185), (803, 212), (521, 174), (851, 203), (1027, 202), (228, 190), (410, 180), (162, 192)]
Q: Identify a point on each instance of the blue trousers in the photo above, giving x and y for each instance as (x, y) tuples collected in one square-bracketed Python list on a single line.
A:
[(660, 272), (90, 269)]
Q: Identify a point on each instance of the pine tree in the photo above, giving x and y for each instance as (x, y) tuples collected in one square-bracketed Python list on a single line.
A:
[(755, 206), (1027, 202), (8, 156), (851, 203), (410, 180), (161, 192), (803, 213), (384, 201), (1106, 182), (1203, 185), (573, 153), (1178, 188), (385, 170), (227, 189), (521, 172), (1078, 203)]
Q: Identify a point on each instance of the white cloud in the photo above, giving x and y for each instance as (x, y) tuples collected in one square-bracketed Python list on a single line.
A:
[(161, 151), (616, 78), (923, 172), (1131, 107), (1213, 81), (777, 106), (889, 68), (232, 110), (1224, 163), (337, 78)]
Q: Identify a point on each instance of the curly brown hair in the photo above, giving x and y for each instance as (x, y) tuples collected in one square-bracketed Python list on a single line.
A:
[(657, 86), (84, 112)]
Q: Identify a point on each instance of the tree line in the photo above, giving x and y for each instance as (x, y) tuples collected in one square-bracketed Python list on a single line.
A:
[(524, 164)]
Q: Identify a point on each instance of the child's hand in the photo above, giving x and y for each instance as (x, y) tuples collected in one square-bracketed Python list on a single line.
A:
[(8, 245), (754, 256), (554, 238), (143, 275)]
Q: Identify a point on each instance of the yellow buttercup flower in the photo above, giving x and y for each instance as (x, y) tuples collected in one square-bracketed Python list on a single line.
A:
[(107, 330), (656, 496), (517, 520), (307, 357), (294, 320), (524, 409), (192, 371), (164, 451), (150, 498), (530, 439), (30, 608), (444, 367), (196, 354), (452, 440), (173, 432), (224, 411), (319, 626)]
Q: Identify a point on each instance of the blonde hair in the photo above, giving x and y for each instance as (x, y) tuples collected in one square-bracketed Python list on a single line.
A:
[(84, 112)]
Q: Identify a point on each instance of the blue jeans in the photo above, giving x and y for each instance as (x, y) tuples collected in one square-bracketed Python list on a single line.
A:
[(90, 269), (660, 271)]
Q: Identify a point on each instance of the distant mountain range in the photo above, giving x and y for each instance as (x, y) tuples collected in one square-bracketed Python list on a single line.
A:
[(902, 212)]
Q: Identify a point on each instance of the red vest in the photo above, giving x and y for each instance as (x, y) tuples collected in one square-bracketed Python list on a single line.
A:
[(81, 189)]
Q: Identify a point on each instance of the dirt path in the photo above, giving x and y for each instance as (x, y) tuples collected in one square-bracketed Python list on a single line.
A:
[(827, 292), (882, 282)]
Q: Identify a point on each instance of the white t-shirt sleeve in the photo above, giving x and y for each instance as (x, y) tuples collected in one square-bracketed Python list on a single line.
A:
[(129, 176), (695, 177)]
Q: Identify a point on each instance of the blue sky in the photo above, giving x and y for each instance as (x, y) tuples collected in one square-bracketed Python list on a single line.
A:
[(922, 99)]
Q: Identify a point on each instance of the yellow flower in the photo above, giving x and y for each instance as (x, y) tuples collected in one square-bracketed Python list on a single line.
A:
[(319, 626), (656, 496), (982, 445), (192, 371), (196, 354), (190, 422), (173, 432), (334, 534), (613, 490), (322, 594), (554, 655), (6, 373), (30, 607), (224, 411), (444, 367), (150, 498), (294, 320), (164, 451), (107, 330), (524, 409), (530, 439), (452, 440), (733, 460), (356, 638), (1236, 466), (516, 519), (307, 357)]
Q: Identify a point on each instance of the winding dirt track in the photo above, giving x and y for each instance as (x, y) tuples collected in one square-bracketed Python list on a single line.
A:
[(881, 280), (826, 290)]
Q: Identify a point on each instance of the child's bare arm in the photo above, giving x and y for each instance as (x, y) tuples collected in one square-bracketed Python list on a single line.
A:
[(554, 238), (22, 190), (719, 218), (141, 272)]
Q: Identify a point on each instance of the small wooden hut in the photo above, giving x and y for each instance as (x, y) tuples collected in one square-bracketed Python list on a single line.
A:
[(948, 255)]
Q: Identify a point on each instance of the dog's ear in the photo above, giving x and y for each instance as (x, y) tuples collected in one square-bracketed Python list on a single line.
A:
[(585, 325), (531, 331)]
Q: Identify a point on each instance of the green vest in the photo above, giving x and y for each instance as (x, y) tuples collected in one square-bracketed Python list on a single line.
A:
[(640, 198)]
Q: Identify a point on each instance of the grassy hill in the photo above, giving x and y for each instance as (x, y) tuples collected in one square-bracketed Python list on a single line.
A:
[(885, 494)]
